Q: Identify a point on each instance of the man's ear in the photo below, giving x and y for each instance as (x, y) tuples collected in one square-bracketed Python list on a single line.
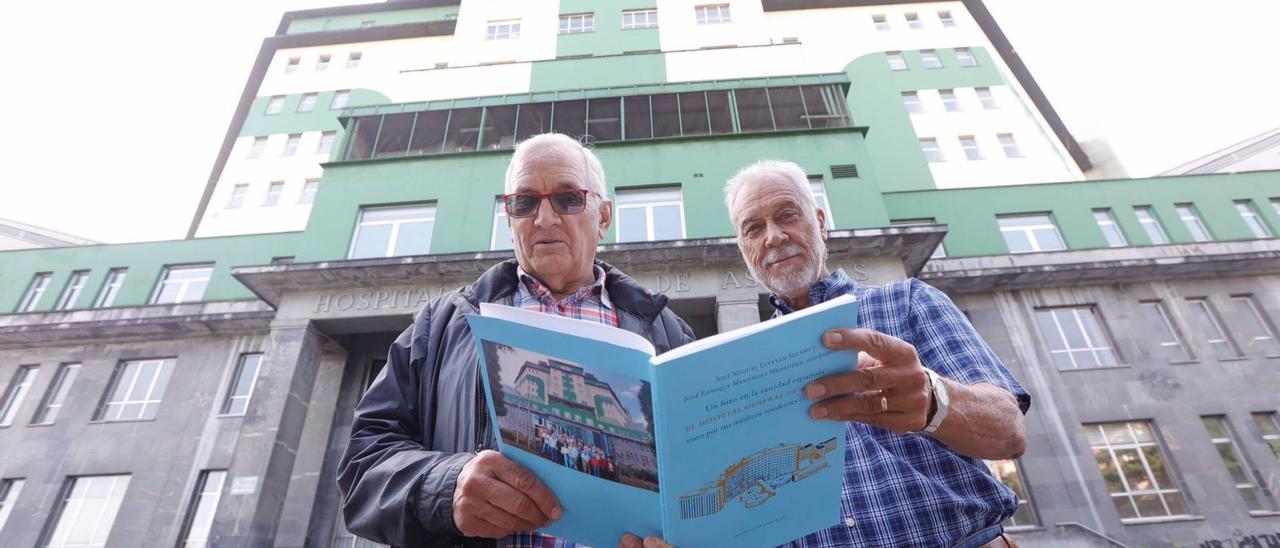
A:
[(822, 222), (606, 217)]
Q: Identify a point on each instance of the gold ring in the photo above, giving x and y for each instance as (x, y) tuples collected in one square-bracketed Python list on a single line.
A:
[(884, 404)]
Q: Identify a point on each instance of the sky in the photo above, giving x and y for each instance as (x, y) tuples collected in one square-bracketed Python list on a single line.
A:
[(115, 110)]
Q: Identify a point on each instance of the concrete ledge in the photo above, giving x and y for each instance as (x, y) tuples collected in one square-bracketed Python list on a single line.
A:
[(1104, 266), (137, 322)]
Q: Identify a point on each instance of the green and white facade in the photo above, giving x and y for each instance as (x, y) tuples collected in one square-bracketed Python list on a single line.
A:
[(204, 387)]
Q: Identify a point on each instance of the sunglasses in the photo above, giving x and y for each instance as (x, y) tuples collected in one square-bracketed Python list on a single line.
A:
[(564, 202)]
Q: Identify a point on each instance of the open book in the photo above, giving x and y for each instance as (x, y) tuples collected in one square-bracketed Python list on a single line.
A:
[(709, 444)]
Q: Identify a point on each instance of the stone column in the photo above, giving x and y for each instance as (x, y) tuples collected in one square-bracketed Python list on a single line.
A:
[(263, 462), (736, 310)]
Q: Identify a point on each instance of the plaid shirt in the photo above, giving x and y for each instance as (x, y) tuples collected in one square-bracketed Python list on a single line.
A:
[(911, 490), (589, 303)]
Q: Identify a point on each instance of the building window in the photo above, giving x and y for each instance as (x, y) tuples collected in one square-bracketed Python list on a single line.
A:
[(9, 490), (930, 59), (204, 503), (819, 191), (970, 146), (712, 13), (911, 100), (1110, 229), (882, 24), (368, 24), (308, 102), (984, 96), (1260, 332), (292, 65), (1170, 337), (257, 148), (949, 100), (353, 60), (1251, 218), (182, 284), (1269, 431), (16, 392), (56, 394), (241, 389), (1191, 219), (326, 142), (947, 20), (393, 231), (931, 151), (913, 21), (275, 104), (1076, 337), (502, 30), (72, 292), (309, 189), (1151, 225), (87, 511), (938, 253), (322, 63), (136, 390), (1135, 470), (577, 23), (966, 58), (115, 279), (340, 99), (1275, 205), (501, 238), (1211, 325), (639, 19), (283, 260), (896, 60), (291, 144), (238, 193), (34, 291), (273, 193), (1030, 233), (1009, 472), (650, 214), (1009, 145), (1242, 472)]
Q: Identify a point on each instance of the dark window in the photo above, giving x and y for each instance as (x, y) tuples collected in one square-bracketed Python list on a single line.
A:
[(693, 113), (666, 117), (428, 132), (393, 140), (534, 119), (788, 108), (825, 106), (604, 120), (464, 130), (499, 127), (362, 139), (639, 126), (570, 118), (718, 107), (753, 110)]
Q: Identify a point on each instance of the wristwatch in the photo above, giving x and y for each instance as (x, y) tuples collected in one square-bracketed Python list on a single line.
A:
[(941, 403)]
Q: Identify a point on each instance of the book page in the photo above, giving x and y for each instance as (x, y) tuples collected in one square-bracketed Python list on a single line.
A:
[(577, 412)]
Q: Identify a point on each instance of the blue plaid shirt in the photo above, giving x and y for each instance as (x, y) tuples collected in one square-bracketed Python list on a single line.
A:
[(911, 490)]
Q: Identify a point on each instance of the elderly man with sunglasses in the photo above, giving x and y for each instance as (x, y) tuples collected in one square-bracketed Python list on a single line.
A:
[(419, 469)]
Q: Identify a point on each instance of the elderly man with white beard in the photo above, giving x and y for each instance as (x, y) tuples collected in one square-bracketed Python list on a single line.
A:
[(926, 402)]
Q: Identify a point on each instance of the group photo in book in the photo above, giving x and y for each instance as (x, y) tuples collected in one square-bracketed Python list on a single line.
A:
[(589, 420)]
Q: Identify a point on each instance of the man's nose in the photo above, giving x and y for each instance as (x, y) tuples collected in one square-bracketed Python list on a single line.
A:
[(774, 235), (546, 214)]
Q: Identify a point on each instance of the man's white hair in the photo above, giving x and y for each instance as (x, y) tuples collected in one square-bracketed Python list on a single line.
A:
[(595, 171), (788, 172)]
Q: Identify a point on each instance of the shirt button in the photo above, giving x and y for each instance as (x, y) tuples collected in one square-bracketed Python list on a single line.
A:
[(850, 522)]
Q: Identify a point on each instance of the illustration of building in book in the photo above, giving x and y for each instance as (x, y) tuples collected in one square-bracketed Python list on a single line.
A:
[(754, 479)]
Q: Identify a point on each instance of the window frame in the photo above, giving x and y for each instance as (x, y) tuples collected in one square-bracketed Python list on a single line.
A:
[(966, 57), (1212, 320), (702, 14), (258, 147), (15, 393), (897, 61), (292, 142), (1253, 218), (986, 98), (341, 98), (1095, 348), (291, 65), (937, 156), (1010, 145), (971, 153), (1171, 330), (502, 29), (650, 18), (944, 17), (154, 395), (227, 408), (648, 208), (274, 190), (499, 221), (1268, 435), (1151, 225), (1030, 230), (1137, 446), (309, 189), (1190, 216), (930, 59), (10, 490), (1262, 496), (913, 21), (72, 290), (950, 102), (275, 105), (238, 193), (586, 20), (818, 188), (395, 230), (308, 102), (65, 500), (199, 496), (914, 105), (881, 23), (322, 62), (1024, 499), (353, 60), (1261, 320), (182, 294), (36, 289), (110, 287), (1104, 217), (55, 394)]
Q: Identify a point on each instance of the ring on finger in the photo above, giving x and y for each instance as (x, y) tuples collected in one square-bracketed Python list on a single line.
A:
[(884, 404)]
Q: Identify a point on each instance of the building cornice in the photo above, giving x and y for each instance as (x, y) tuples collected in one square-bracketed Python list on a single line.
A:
[(395, 5), (122, 324)]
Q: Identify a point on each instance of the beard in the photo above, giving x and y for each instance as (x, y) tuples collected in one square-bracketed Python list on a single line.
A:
[(790, 279)]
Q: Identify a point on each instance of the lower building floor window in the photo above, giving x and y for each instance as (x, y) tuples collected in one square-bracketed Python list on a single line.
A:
[(1137, 474), (87, 511)]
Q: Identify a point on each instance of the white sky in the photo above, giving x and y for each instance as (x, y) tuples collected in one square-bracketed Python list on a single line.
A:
[(116, 110)]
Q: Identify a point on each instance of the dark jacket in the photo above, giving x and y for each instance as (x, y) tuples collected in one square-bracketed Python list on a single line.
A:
[(424, 417)]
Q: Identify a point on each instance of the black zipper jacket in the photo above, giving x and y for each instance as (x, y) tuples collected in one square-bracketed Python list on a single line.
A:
[(423, 418)]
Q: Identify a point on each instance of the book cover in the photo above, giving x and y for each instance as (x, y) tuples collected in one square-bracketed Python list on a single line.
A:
[(705, 445)]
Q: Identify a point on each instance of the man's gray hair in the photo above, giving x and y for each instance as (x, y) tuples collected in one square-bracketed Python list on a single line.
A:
[(595, 171), (789, 172)]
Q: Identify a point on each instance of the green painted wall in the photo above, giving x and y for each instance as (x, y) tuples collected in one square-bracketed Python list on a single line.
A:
[(875, 101), (971, 213), (596, 72), (380, 19), (289, 120), (145, 262), (608, 38)]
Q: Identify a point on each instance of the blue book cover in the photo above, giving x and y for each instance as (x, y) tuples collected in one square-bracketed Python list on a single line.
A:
[(706, 445)]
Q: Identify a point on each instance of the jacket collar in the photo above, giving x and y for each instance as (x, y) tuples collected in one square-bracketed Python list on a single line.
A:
[(500, 281)]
